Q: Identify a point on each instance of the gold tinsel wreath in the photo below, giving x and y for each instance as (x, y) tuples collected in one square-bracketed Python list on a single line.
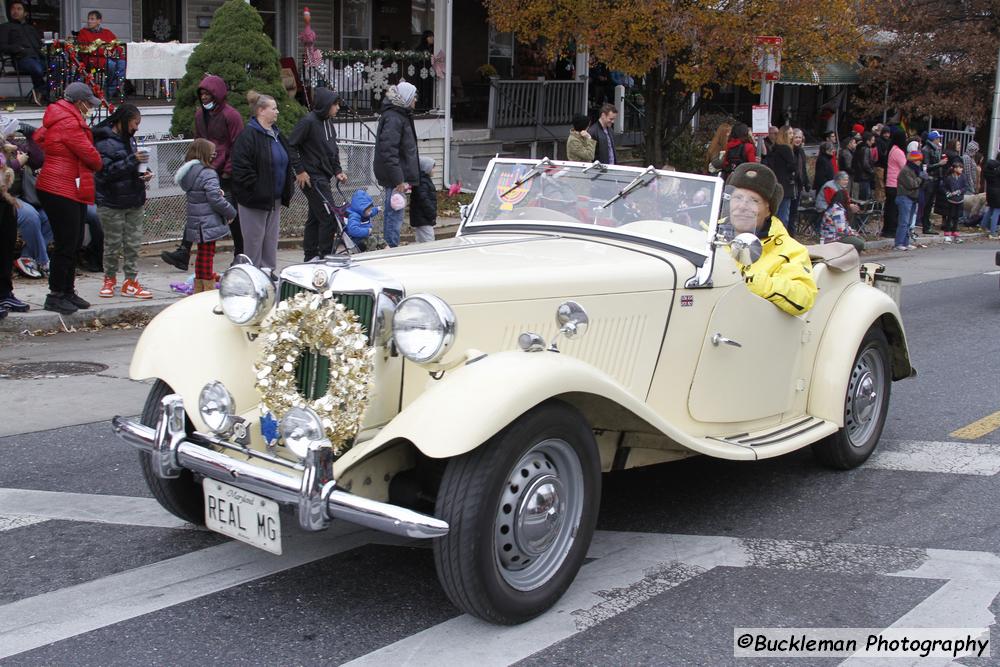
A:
[(311, 321)]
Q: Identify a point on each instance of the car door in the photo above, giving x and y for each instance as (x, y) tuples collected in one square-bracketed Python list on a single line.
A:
[(748, 360)]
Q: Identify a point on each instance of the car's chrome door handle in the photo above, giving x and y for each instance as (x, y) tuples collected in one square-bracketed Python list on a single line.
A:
[(719, 338)]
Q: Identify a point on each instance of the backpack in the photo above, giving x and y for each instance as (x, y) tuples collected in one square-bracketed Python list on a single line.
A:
[(735, 156)]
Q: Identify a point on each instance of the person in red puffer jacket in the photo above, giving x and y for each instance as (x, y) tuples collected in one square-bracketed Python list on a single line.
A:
[(105, 59), (65, 187)]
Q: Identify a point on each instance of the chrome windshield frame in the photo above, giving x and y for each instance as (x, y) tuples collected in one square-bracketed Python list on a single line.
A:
[(703, 254)]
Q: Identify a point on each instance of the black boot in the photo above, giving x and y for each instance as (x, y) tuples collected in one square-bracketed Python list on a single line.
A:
[(178, 258), (929, 231), (57, 302)]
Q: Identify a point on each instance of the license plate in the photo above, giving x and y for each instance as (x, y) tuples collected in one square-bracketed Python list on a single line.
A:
[(242, 515)]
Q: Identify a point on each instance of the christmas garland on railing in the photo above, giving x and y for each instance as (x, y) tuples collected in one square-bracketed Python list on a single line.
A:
[(71, 50), (383, 54)]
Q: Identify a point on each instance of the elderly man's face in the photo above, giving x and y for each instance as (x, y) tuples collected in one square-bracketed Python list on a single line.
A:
[(747, 210)]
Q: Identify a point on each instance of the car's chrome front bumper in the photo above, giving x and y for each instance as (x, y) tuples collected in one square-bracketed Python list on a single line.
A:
[(315, 494)]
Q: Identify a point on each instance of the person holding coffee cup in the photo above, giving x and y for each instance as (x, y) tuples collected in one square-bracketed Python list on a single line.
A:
[(121, 195)]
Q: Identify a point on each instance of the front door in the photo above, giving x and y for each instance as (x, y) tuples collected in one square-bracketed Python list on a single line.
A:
[(755, 379)]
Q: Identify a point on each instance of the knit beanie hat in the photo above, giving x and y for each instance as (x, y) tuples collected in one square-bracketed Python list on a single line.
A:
[(915, 155), (407, 91), (972, 148), (426, 164), (760, 179), (912, 146), (858, 128)]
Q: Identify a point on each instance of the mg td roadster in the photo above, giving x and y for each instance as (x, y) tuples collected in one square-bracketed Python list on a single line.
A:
[(472, 391)]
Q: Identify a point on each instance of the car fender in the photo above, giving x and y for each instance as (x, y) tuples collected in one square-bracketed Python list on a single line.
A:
[(187, 343), (477, 400), (859, 307)]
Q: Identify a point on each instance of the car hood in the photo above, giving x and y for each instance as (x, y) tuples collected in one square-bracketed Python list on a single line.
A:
[(488, 268)]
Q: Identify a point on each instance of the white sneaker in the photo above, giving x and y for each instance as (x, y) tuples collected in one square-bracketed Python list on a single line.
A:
[(901, 247)]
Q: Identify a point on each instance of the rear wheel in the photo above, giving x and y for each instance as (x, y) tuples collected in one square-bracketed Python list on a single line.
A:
[(865, 406), (182, 496), (521, 509)]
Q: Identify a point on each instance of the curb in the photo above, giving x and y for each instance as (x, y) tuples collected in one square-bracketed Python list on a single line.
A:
[(44, 320)]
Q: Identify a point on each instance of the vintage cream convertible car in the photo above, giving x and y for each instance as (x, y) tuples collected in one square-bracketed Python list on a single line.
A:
[(586, 318)]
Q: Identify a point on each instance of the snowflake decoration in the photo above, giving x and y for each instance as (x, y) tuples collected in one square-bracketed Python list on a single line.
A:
[(378, 77), (424, 73), (410, 70), (394, 68), (359, 67)]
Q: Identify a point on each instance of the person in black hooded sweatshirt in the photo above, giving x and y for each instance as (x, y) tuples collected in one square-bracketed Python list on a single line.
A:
[(315, 159)]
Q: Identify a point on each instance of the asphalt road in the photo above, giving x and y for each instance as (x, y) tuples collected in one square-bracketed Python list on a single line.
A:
[(94, 573)]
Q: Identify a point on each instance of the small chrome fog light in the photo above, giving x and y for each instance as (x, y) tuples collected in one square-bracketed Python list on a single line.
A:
[(299, 428), (217, 407)]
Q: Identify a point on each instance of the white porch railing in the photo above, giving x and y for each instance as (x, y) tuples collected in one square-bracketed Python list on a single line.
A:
[(534, 103)]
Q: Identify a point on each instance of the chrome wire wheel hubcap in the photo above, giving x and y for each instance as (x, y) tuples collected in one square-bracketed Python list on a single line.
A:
[(538, 514), (864, 397)]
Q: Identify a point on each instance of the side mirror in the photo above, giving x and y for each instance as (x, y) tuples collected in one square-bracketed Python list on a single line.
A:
[(464, 210), (746, 248)]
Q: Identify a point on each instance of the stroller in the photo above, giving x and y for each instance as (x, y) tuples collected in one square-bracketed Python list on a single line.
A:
[(342, 243)]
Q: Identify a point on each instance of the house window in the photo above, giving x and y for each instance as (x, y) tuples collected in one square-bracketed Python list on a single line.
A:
[(421, 16), (44, 15), (268, 10), (501, 52), (161, 20), (356, 22)]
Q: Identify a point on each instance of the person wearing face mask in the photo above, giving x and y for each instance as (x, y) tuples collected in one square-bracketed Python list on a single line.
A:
[(216, 120), (66, 186), (783, 272)]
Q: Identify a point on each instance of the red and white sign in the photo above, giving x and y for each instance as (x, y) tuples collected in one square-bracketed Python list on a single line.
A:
[(760, 120), (767, 58)]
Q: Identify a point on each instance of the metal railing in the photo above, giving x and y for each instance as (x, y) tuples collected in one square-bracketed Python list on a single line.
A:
[(534, 103), (165, 212), (363, 77), (949, 136)]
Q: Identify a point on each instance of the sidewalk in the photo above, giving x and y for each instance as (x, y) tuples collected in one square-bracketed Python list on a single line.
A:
[(156, 276)]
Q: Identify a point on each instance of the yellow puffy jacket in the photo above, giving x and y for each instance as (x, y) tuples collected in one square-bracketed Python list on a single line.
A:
[(783, 274)]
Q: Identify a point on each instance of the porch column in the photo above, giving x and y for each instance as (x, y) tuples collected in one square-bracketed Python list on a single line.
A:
[(442, 42), (447, 40), (583, 74)]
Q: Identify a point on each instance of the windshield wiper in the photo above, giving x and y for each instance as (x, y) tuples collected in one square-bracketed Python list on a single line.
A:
[(534, 171), (596, 164), (634, 185)]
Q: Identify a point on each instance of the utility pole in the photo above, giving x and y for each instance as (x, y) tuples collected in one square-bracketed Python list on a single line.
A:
[(991, 150)]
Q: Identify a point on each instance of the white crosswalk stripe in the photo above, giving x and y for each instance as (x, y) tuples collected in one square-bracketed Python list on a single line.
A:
[(11, 521), (962, 458), (88, 507)]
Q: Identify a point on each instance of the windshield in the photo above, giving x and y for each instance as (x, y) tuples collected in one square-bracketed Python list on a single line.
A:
[(648, 203)]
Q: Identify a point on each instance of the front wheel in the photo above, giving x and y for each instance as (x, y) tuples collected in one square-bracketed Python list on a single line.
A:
[(182, 496), (521, 509), (865, 406)]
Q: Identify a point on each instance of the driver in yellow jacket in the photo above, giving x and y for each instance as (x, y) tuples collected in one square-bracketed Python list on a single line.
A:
[(783, 273)]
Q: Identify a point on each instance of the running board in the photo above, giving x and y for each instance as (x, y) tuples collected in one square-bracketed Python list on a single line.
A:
[(783, 438)]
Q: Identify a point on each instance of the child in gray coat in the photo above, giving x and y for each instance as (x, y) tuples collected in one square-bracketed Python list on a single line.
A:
[(208, 212)]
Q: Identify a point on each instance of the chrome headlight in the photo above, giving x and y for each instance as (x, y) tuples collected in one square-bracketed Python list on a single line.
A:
[(299, 428), (423, 328), (217, 407), (246, 293)]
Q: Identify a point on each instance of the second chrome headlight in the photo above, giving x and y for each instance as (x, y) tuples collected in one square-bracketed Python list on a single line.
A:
[(423, 328), (246, 293)]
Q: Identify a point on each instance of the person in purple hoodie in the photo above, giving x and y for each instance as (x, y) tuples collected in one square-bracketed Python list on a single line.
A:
[(215, 120)]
